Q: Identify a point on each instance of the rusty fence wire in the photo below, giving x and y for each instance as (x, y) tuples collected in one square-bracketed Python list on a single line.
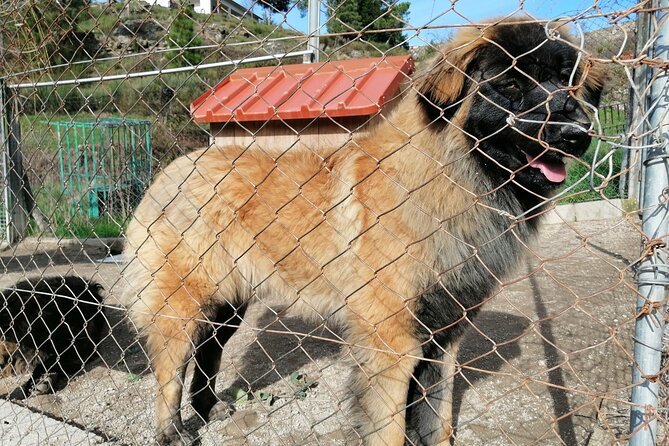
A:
[(277, 222)]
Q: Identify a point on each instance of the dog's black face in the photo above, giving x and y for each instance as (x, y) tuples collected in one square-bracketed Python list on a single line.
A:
[(524, 99), (523, 114)]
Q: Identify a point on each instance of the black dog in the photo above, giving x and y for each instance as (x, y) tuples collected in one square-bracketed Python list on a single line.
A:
[(56, 323)]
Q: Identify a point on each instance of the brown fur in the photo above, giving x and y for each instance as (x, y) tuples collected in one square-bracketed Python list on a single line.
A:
[(12, 360), (352, 237)]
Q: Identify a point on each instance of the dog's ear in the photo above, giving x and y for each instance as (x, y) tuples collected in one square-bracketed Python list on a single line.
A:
[(594, 78), (443, 87)]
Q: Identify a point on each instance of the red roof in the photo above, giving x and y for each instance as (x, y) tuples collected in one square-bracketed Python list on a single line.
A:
[(357, 87)]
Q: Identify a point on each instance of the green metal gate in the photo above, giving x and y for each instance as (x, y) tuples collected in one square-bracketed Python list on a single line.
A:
[(105, 164)]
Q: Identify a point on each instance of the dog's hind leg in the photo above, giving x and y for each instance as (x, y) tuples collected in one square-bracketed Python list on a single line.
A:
[(208, 359), (430, 412), (170, 339)]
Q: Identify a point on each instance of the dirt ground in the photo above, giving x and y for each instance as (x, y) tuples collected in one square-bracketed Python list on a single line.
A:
[(548, 361)]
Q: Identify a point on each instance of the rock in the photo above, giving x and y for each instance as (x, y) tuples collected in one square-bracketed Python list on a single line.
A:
[(147, 29)]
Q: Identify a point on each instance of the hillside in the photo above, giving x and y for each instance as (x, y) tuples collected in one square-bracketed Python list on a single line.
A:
[(610, 42), (145, 28)]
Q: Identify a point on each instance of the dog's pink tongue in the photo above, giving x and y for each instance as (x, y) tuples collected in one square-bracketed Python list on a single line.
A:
[(554, 172)]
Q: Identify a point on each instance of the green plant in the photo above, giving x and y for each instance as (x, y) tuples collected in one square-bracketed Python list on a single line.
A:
[(56, 208), (583, 191), (51, 27), (182, 34), (300, 383), (133, 377), (611, 119)]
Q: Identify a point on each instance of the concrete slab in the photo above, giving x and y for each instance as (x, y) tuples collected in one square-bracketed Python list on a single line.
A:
[(21, 426), (588, 211)]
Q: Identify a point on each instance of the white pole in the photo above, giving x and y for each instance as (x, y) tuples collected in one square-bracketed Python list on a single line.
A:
[(112, 77), (314, 30)]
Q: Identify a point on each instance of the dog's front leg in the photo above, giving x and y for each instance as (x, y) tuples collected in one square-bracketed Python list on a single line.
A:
[(386, 350), (430, 414)]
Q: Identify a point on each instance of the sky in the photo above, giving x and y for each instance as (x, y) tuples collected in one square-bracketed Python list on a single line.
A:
[(441, 12)]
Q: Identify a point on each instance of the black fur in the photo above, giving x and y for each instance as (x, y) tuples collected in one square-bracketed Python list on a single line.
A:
[(208, 357), (439, 113), (497, 88), (209, 339), (451, 300), (61, 318), (447, 307)]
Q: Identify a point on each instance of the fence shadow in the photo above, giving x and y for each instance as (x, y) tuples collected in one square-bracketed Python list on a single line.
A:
[(12, 261), (121, 348), (560, 397), (276, 355), (501, 328)]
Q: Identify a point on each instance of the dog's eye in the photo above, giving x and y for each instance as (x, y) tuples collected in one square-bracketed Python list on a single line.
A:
[(509, 86)]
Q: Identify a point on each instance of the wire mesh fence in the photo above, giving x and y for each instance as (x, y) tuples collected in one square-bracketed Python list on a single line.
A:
[(332, 222)]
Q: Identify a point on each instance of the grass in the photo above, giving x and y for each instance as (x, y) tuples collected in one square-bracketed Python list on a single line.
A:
[(83, 227), (612, 119), (583, 191), (102, 19), (37, 135), (68, 217)]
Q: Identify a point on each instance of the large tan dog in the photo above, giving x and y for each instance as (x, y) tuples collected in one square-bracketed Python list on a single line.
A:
[(399, 237)]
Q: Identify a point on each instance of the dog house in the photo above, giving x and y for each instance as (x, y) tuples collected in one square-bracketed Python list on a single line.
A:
[(316, 106)]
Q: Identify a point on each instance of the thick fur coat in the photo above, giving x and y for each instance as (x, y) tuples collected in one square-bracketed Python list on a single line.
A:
[(399, 237), (53, 323)]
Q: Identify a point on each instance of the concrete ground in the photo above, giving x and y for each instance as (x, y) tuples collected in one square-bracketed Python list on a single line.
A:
[(548, 361)]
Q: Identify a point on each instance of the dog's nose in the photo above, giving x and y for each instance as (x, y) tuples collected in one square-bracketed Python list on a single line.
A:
[(575, 138)]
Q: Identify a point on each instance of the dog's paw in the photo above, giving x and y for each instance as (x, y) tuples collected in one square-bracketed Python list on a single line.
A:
[(45, 385), (18, 394), (175, 438), (221, 411)]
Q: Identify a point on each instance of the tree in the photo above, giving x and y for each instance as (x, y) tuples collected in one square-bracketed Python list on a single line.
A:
[(272, 6), (390, 18), (276, 5), (50, 29), (182, 35), (346, 16)]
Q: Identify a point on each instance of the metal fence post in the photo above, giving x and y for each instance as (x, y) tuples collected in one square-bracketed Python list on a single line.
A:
[(15, 212), (629, 182), (314, 30), (5, 220), (653, 271)]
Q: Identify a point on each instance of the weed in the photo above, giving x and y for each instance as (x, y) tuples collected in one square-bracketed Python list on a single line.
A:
[(299, 382)]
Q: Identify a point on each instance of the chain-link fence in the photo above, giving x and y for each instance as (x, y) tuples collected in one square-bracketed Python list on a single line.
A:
[(332, 222)]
